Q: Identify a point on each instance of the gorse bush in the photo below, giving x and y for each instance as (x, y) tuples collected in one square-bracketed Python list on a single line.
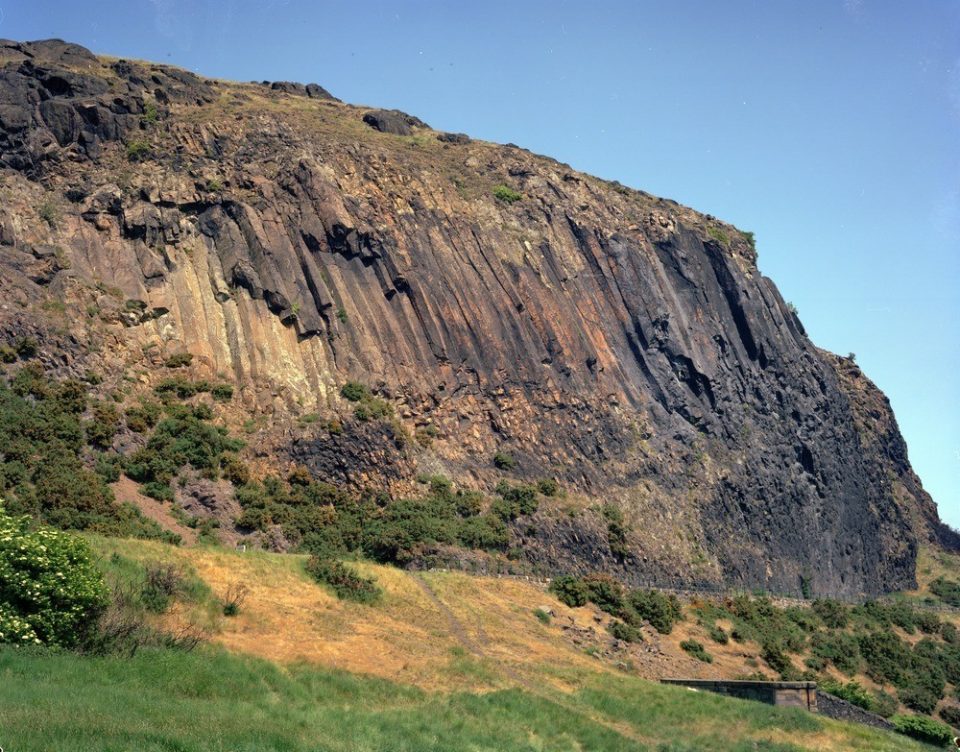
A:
[(50, 591), (506, 194), (633, 607), (46, 450), (324, 520), (661, 610), (368, 406), (852, 692), (182, 439), (347, 584), (925, 729), (697, 650), (946, 590), (623, 631)]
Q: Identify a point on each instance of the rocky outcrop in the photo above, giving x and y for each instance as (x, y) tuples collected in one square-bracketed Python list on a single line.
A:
[(621, 343)]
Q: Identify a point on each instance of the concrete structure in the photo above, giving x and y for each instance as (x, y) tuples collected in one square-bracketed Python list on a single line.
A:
[(800, 694)]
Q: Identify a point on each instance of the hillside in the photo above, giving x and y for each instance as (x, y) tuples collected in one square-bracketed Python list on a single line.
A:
[(376, 301), (442, 660)]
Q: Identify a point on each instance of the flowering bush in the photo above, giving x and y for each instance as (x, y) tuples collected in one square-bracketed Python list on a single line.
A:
[(50, 591)]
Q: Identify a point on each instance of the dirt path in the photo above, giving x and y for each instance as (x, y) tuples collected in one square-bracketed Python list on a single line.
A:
[(127, 491)]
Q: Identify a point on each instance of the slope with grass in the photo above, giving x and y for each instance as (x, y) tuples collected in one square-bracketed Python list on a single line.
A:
[(442, 661)]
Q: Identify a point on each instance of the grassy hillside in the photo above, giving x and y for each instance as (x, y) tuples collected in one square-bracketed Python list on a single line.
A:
[(211, 700), (443, 661)]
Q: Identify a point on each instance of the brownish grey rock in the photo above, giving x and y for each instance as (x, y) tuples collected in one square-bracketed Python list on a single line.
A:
[(623, 344)]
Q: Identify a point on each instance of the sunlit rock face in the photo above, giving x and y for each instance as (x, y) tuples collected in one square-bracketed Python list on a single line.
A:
[(500, 300)]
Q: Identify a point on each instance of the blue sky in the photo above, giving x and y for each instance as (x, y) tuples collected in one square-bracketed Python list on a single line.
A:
[(830, 129)]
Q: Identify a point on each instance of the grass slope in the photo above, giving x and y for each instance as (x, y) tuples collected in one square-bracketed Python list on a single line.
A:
[(213, 700), (444, 661)]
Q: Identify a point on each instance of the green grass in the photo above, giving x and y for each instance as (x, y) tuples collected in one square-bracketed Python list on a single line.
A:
[(211, 700)]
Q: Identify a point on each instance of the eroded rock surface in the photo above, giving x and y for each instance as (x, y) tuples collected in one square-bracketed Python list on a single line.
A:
[(624, 344)]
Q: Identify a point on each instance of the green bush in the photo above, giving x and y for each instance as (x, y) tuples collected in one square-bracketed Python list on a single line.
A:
[(605, 592), (178, 360), (50, 590), (885, 704), (347, 584), (662, 611), (355, 391), (103, 425), (886, 656), (542, 616), (717, 634), (570, 590), (839, 648), (623, 631), (506, 194), (951, 714), (924, 729), (852, 692), (616, 531), (138, 150), (946, 590), (222, 392), (514, 501), (548, 486), (697, 650), (504, 461)]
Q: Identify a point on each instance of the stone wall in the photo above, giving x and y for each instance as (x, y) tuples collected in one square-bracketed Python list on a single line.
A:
[(801, 694)]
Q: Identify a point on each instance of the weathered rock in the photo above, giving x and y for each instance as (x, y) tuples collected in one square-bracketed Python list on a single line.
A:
[(454, 138), (393, 121), (623, 344)]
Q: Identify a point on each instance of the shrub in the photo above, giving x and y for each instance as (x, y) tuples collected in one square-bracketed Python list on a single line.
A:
[(924, 729), (884, 704), (570, 590), (506, 194), (26, 347), (514, 501), (179, 360), (504, 461), (354, 391), (138, 150), (542, 616), (50, 213), (150, 114), (345, 583), (623, 631), (949, 633), (717, 634), (234, 598), (222, 392), (103, 425), (548, 487), (947, 591), (951, 714), (161, 583), (852, 692), (834, 614), (697, 650), (50, 590), (141, 418), (840, 648), (605, 592), (662, 611), (776, 659), (885, 654), (616, 531)]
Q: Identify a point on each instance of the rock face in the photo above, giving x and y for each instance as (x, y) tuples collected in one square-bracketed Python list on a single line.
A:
[(624, 344)]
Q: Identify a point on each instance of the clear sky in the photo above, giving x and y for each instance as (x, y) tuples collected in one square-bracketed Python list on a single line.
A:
[(830, 129)]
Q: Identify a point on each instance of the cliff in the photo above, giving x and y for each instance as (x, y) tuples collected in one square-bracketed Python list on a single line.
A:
[(500, 300)]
